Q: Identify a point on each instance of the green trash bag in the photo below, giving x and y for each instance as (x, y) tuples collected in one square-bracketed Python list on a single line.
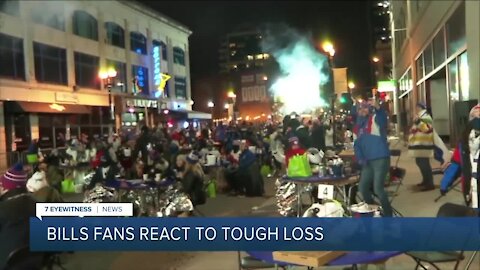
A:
[(211, 189), (299, 166), (68, 186), (265, 171)]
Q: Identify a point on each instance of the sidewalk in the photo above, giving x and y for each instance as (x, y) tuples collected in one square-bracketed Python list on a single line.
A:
[(409, 203)]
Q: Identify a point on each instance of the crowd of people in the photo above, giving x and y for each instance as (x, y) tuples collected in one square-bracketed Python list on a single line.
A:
[(247, 153)]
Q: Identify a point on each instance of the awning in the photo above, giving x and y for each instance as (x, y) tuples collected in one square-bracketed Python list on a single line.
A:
[(199, 115), (37, 107), (193, 115)]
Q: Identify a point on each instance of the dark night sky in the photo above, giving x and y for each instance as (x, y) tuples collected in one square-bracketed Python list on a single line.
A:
[(344, 22)]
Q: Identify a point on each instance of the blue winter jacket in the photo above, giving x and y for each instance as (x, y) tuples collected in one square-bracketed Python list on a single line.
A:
[(247, 158), (371, 132)]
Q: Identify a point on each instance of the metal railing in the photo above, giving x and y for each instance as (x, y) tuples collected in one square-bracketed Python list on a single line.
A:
[(13, 158)]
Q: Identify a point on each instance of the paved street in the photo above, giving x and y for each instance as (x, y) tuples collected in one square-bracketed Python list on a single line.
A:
[(408, 203)]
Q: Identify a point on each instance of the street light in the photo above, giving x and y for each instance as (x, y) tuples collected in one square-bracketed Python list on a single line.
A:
[(327, 46), (351, 85), (231, 95), (107, 77), (226, 106), (375, 59), (211, 104)]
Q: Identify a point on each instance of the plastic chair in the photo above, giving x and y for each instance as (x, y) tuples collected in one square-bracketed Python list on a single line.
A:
[(435, 257), (22, 258)]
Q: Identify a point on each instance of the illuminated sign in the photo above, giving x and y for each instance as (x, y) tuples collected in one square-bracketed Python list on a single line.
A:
[(387, 86), (142, 103), (57, 107), (157, 76)]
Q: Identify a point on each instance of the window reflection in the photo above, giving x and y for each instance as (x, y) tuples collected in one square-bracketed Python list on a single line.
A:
[(452, 81), (463, 76)]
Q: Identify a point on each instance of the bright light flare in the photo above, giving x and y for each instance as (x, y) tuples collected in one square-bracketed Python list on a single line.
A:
[(231, 94), (351, 85), (375, 59)]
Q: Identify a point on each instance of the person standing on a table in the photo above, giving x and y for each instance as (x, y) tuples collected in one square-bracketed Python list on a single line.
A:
[(372, 152)]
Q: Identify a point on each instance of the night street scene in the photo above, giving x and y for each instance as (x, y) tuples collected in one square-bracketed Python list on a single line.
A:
[(188, 110)]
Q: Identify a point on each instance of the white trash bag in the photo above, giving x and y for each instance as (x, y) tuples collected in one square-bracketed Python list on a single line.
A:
[(327, 209)]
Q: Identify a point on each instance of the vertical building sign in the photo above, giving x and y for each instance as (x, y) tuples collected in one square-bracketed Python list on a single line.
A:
[(157, 76)]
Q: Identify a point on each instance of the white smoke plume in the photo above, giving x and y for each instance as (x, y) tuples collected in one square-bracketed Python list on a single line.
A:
[(303, 69)]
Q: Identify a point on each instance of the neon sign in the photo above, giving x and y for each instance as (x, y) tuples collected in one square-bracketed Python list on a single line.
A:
[(157, 76)]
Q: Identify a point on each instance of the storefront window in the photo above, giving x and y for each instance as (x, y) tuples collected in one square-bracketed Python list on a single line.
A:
[(85, 119), (106, 115), (428, 59), (21, 125), (419, 64), (452, 81), (439, 49), (96, 132), (45, 127), (456, 30), (74, 132), (60, 133), (463, 76), (46, 137)]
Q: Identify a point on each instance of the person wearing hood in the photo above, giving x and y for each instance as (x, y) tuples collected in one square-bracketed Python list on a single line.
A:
[(193, 180), (16, 207), (249, 171), (106, 172), (372, 152), (421, 145)]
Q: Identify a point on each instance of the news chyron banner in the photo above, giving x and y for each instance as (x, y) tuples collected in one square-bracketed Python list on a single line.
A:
[(111, 227)]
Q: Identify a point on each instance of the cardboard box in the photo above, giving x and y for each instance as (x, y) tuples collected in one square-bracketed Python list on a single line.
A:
[(307, 258)]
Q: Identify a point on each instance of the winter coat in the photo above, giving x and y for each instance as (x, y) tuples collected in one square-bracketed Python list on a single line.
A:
[(303, 137), (470, 168), (47, 195), (193, 186), (246, 159), (99, 176), (293, 152), (252, 180), (371, 137), (318, 137), (421, 140), (54, 175), (16, 207)]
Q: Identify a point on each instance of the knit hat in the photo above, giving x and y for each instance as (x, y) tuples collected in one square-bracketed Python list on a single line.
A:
[(193, 157), (14, 178), (293, 140), (422, 105), (474, 113)]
